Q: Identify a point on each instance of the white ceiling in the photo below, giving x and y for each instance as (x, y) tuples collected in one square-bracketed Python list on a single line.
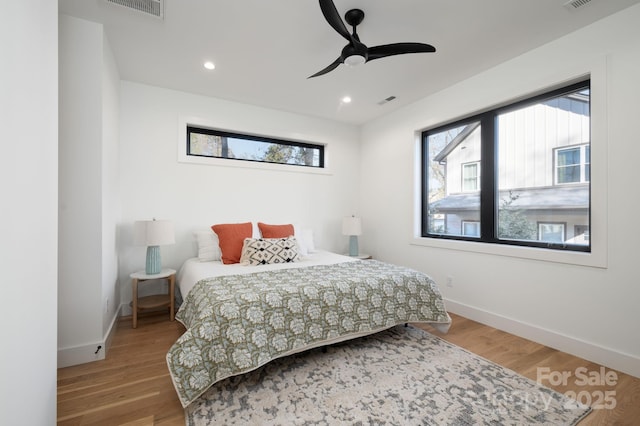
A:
[(264, 50)]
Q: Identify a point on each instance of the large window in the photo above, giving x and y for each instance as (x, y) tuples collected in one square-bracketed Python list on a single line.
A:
[(518, 174), (203, 142)]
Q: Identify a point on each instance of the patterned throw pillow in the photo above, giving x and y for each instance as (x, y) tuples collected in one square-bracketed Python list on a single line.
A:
[(262, 251)]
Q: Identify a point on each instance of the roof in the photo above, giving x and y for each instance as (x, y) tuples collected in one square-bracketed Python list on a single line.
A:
[(566, 197), (442, 155)]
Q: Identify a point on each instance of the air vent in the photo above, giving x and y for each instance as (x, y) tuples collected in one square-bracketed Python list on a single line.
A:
[(575, 4), (150, 7), (384, 101)]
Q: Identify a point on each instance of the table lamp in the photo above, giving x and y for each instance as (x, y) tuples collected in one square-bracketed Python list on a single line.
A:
[(352, 226), (153, 234)]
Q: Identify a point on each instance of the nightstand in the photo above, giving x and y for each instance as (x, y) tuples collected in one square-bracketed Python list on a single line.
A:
[(157, 300), (361, 256)]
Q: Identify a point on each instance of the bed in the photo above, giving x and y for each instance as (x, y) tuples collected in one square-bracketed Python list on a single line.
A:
[(240, 317)]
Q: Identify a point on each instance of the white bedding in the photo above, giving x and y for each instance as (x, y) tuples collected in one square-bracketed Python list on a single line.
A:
[(194, 270)]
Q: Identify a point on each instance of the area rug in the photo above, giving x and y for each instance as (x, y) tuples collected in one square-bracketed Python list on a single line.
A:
[(402, 376)]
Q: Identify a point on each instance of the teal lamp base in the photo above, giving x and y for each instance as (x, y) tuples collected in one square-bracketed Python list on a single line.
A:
[(353, 245), (153, 266)]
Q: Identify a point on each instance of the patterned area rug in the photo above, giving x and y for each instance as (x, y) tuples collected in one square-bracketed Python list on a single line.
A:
[(402, 376)]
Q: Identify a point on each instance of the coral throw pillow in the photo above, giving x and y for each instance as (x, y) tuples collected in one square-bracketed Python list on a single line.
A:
[(275, 231), (231, 236)]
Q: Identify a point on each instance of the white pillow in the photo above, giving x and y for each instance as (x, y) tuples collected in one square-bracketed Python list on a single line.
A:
[(305, 240), (263, 251), (208, 246)]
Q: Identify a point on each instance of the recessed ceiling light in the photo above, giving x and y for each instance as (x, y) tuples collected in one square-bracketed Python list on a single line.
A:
[(346, 99), (209, 65)]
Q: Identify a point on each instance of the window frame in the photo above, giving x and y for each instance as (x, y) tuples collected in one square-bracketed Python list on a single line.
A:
[(192, 128), (469, 222), (585, 230), (476, 179), (489, 193), (585, 162), (541, 223)]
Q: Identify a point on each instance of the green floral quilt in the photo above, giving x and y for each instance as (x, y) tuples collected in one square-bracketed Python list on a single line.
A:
[(237, 323)]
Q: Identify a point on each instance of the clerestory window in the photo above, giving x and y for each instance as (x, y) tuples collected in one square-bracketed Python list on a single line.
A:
[(204, 142)]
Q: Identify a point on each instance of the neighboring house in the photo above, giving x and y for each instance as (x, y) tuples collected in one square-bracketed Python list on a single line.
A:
[(543, 162)]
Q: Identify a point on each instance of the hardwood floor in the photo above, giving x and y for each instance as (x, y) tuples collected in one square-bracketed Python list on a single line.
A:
[(132, 386)]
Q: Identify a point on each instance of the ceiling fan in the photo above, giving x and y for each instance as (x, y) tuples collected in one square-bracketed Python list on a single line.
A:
[(356, 53)]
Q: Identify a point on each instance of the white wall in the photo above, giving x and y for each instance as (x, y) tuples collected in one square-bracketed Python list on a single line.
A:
[(28, 216), (88, 194), (591, 311), (110, 188), (196, 196)]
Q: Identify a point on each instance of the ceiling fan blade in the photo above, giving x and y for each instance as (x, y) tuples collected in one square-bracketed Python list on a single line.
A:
[(333, 18), (331, 67), (377, 52)]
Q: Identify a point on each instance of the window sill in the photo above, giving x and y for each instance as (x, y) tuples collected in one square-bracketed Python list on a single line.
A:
[(595, 259), (246, 164)]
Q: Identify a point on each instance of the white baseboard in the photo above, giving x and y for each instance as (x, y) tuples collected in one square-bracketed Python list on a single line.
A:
[(610, 358), (89, 352)]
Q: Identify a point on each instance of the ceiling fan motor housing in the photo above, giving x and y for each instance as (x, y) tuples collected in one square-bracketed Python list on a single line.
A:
[(354, 17), (354, 54)]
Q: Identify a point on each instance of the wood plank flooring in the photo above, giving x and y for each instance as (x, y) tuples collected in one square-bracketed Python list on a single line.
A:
[(132, 385)]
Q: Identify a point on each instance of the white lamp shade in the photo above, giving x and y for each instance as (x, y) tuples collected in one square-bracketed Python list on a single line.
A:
[(153, 233), (351, 226)]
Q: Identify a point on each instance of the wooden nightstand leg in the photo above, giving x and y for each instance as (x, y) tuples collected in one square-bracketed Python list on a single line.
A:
[(134, 288), (172, 296)]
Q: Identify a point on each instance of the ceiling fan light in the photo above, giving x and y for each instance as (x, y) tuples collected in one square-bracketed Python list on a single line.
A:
[(354, 60)]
